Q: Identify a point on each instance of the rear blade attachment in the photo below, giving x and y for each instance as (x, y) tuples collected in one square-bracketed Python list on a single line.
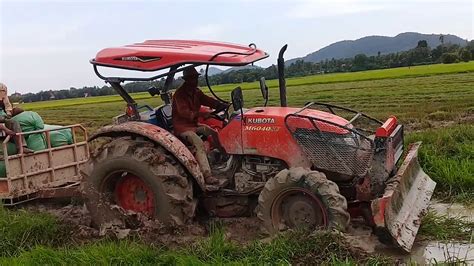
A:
[(405, 200)]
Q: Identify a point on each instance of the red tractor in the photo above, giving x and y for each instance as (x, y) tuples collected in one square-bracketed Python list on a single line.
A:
[(315, 166)]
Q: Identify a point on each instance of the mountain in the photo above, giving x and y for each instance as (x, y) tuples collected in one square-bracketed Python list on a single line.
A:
[(241, 68), (371, 45), (215, 70), (212, 71)]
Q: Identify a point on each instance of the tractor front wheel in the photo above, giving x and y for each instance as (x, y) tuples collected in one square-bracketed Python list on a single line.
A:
[(140, 177), (299, 198)]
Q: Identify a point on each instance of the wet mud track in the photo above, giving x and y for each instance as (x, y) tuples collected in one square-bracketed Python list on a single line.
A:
[(247, 229)]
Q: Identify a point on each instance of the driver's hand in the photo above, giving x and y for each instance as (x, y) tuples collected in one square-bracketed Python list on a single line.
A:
[(224, 106), (206, 115)]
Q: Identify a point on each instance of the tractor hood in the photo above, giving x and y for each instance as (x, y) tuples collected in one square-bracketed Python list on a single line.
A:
[(266, 116)]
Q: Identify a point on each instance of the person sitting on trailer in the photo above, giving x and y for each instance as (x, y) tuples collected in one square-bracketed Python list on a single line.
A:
[(9, 126), (186, 105)]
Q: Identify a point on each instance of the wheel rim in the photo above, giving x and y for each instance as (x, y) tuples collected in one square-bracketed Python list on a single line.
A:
[(132, 193), (298, 208)]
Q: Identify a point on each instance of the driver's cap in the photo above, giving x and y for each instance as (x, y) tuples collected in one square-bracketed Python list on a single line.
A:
[(190, 72)]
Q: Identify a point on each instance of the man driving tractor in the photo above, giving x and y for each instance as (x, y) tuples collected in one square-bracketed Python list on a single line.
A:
[(9, 126), (186, 106)]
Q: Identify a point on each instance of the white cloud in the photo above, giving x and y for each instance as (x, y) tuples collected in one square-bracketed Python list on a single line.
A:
[(321, 8), (204, 32), (329, 8)]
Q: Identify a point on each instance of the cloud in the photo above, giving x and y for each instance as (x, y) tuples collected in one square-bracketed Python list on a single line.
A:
[(321, 8), (330, 8), (204, 32)]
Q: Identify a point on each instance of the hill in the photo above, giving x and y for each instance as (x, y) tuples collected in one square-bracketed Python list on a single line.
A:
[(371, 45), (215, 70)]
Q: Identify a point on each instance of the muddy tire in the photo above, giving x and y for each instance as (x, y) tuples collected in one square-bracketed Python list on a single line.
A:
[(141, 177), (301, 198)]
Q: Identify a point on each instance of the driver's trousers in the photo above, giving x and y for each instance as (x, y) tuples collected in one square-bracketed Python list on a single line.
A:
[(191, 136)]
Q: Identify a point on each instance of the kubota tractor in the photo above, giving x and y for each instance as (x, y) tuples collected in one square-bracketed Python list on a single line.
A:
[(315, 166)]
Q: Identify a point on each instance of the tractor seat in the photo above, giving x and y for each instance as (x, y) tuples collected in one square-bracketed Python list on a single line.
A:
[(164, 117)]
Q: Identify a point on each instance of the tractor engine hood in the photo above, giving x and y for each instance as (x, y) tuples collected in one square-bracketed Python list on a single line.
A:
[(276, 115)]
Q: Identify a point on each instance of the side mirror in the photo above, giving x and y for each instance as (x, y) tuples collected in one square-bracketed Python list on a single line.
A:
[(264, 90), (153, 91), (237, 98)]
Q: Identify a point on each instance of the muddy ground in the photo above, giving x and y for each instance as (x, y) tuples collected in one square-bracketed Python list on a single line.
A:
[(241, 230), (247, 229)]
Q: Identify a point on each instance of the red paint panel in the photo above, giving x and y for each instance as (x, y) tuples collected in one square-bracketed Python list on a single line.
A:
[(231, 136), (387, 128), (153, 55), (264, 133), (211, 122)]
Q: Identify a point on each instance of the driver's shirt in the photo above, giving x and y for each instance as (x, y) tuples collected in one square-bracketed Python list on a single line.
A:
[(185, 107)]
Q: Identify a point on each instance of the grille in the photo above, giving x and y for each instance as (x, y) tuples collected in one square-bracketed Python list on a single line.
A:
[(341, 151)]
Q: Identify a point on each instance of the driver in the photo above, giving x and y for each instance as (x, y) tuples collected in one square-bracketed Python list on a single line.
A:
[(186, 105)]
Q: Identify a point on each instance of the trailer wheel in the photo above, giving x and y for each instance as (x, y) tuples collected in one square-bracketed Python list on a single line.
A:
[(299, 198), (140, 177)]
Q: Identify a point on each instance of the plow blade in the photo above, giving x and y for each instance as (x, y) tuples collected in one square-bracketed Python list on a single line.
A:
[(405, 200)]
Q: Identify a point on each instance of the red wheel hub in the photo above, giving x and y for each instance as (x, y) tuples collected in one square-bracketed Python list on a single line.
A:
[(132, 193)]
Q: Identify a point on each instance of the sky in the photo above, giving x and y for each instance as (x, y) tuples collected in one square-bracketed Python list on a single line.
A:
[(48, 44)]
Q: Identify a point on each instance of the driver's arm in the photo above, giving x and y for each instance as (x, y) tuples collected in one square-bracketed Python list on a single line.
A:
[(209, 102)]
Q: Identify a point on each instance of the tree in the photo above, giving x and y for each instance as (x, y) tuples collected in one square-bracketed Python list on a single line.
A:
[(465, 55), (436, 53), (360, 62), (470, 47), (449, 58), (421, 53), (422, 43), (441, 39)]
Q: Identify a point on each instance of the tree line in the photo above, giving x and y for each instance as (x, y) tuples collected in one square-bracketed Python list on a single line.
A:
[(422, 54)]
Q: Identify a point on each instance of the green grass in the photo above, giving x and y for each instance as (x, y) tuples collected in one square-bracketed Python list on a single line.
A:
[(21, 230), (447, 156), (443, 228), (393, 73), (401, 72), (294, 248)]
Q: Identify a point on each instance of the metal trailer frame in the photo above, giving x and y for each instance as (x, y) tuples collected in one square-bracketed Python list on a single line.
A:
[(52, 172)]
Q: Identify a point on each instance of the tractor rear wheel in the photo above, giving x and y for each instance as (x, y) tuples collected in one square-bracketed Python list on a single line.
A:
[(299, 198), (140, 177)]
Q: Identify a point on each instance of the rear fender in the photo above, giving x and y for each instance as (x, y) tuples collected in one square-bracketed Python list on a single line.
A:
[(161, 137)]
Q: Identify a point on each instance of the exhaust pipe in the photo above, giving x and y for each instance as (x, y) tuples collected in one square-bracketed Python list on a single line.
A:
[(281, 76)]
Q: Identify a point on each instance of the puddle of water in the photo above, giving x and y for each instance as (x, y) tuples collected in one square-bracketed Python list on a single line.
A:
[(436, 252), (453, 210), (423, 253)]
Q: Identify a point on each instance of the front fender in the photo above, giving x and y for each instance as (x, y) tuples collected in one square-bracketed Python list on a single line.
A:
[(161, 137)]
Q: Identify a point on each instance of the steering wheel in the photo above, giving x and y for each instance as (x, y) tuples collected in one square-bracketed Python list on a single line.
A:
[(222, 117)]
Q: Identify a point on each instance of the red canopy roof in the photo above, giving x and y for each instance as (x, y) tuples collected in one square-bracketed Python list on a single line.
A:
[(154, 55)]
